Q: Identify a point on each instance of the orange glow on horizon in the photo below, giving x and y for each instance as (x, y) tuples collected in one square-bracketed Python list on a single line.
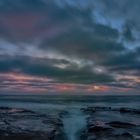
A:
[(27, 83), (63, 87), (23, 77), (92, 88)]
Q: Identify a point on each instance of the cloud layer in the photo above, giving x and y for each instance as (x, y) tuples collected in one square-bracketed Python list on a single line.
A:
[(67, 45)]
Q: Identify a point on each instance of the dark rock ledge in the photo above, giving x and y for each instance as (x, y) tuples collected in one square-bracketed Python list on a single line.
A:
[(99, 130), (121, 110), (22, 124), (110, 128)]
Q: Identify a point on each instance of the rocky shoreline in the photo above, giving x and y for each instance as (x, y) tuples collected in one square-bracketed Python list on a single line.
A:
[(24, 124), (121, 110), (18, 123), (110, 129)]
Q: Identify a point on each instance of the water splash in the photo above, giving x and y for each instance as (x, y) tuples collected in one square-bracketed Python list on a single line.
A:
[(73, 123)]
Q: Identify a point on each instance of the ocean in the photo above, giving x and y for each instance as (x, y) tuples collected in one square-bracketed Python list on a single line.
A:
[(74, 120)]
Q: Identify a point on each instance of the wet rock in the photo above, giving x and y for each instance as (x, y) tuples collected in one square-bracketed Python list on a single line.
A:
[(102, 108), (88, 110), (92, 137), (25, 136), (95, 109), (4, 108), (121, 110), (92, 122), (129, 110), (119, 124), (24, 124), (14, 110), (124, 136), (63, 114), (105, 133), (55, 121), (110, 127), (96, 129), (105, 130), (127, 135), (99, 129)]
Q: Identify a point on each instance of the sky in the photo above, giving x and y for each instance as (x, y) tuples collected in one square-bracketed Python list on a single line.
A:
[(82, 46)]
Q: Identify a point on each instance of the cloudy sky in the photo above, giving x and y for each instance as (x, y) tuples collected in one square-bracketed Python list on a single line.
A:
[(69, 46)]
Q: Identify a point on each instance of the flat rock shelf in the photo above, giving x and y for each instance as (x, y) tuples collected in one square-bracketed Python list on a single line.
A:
[(21, 124), (107, 123)]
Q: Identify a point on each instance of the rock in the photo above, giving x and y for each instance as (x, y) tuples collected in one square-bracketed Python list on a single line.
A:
[(63, 114), (102, 108), (129, 110), (91, 137), (89, 109), (122, 110), (96, 129), (124, 136), (25, 136), (119, 124), (95, 109), (55, 121), (99, 129), (4, 108), (92, 122), (107, 128), (24, 124), (127, 135), (14, 110), (96, 133)]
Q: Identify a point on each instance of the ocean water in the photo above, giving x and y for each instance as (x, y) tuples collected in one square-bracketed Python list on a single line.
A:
[(74, 119)]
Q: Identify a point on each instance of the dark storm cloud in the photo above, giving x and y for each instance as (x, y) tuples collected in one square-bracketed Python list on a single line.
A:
[(44, 67), (127, 33), (35, 19), (75, 41), (77, 14), (21, 5), (127, 61), (85, 37), (128, 57)]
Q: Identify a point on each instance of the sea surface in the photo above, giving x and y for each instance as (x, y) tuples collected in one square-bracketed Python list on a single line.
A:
[(75, 120)]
